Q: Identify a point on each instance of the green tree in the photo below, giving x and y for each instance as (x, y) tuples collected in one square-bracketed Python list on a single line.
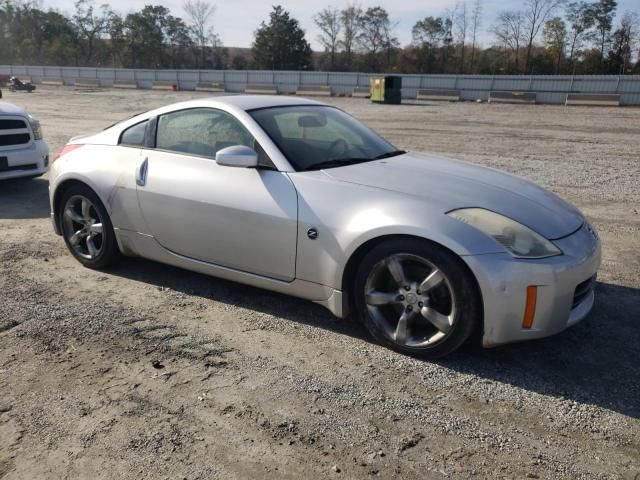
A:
[(555, 38), (376, 37), (238, 62), (117, 40), (144, 36), (428, 35), (90, 24), (149, 34), (280, 44), (178, 41)]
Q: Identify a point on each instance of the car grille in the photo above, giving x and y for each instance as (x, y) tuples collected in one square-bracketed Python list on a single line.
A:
[(28, 166), (15, 139), (12, 124), (14, 131), (583, 290)]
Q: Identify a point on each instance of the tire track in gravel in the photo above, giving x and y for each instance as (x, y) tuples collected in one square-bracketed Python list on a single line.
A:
[(400, 424)]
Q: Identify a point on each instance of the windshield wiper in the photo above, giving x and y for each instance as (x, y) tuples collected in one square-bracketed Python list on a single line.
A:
[(395, 153), (338, 162)]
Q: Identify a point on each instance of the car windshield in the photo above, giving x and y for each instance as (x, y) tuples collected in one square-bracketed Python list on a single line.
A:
[(314, 137)]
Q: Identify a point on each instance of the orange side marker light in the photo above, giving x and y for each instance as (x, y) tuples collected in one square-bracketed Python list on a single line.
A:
[(530, 306)]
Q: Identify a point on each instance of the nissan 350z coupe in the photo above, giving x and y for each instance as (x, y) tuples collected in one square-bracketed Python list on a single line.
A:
[(298, 197)]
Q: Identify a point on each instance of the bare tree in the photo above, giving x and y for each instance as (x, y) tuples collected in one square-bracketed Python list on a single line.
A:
[(603, 13), (461, 23), (199, 13), (476, 19), (350, 18), (328, 21), (510, 31), (536, 13), (580, 20), (447, 39), (220, 54), (624, 43), (91, 24)]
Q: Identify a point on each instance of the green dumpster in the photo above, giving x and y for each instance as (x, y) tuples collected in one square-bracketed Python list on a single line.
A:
[(386, 89)]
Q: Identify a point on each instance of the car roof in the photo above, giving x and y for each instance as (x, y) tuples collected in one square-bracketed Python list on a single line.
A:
[(233, 103), (252, 102)]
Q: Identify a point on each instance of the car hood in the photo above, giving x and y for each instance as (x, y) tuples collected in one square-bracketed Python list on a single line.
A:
[(451, 184), (11, 109)]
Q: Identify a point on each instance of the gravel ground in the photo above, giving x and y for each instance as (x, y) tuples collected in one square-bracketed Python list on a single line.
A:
[(147, 371)]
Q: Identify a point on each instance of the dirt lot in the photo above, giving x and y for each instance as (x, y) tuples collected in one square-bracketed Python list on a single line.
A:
[(147, 371)]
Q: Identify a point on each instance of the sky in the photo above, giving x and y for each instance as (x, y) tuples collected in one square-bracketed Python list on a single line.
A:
[(236, 20)]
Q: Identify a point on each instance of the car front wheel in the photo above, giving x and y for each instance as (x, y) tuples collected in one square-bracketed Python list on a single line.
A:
[(87, 229), (417, 298)]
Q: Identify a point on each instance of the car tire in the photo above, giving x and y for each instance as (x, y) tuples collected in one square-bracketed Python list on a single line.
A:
[(417, 298), (87, 229)]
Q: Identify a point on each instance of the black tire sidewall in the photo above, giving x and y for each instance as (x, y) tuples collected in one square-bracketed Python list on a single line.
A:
[(467, 297), (110, 251)]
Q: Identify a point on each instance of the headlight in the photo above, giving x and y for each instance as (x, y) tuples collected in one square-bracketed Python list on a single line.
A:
[(520, 241), (36, 128)]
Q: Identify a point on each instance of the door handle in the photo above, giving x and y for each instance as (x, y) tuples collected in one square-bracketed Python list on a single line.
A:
[(141, 173)]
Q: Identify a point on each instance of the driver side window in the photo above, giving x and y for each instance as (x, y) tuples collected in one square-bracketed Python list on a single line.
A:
[(200, 131)]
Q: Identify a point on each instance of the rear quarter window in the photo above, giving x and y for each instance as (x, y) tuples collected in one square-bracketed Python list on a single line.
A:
[(134, 135)]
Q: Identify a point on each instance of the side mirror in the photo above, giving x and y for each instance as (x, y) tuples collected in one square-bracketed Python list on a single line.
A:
[(237, 156)]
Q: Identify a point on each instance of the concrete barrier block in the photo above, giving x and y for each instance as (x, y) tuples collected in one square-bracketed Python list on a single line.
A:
[(87, 83), (314, 90), (56, 82), (209, 87), (361, 92), (438, 94), (512, 97), (164, 85), (125, 84), (261, 89), (593, 99)]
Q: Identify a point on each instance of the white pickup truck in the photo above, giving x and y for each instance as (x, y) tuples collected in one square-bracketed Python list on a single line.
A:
[(23, 152)]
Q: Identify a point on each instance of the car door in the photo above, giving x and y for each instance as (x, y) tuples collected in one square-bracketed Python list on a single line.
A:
[(240, 218), (124, 210)]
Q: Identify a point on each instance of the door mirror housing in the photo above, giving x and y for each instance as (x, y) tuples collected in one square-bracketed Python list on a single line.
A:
[(237, 156)]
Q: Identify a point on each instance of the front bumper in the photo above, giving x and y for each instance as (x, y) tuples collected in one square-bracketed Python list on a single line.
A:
[(31, 161), (565, 292)]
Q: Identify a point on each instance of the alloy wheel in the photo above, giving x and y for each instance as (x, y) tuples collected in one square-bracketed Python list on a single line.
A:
[(83, 227), (410, 300)]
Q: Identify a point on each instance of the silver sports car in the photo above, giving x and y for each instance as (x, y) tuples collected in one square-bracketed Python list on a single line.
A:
[(298, 197)]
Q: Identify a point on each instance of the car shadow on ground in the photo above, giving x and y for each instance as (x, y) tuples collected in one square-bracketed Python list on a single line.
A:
[(595, 362), (24, 198)]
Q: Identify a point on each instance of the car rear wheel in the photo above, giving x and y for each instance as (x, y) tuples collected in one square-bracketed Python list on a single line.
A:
[(87, 229), (417, 298)]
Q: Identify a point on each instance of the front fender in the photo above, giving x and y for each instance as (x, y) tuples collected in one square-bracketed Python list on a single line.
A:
[(347, 216)]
